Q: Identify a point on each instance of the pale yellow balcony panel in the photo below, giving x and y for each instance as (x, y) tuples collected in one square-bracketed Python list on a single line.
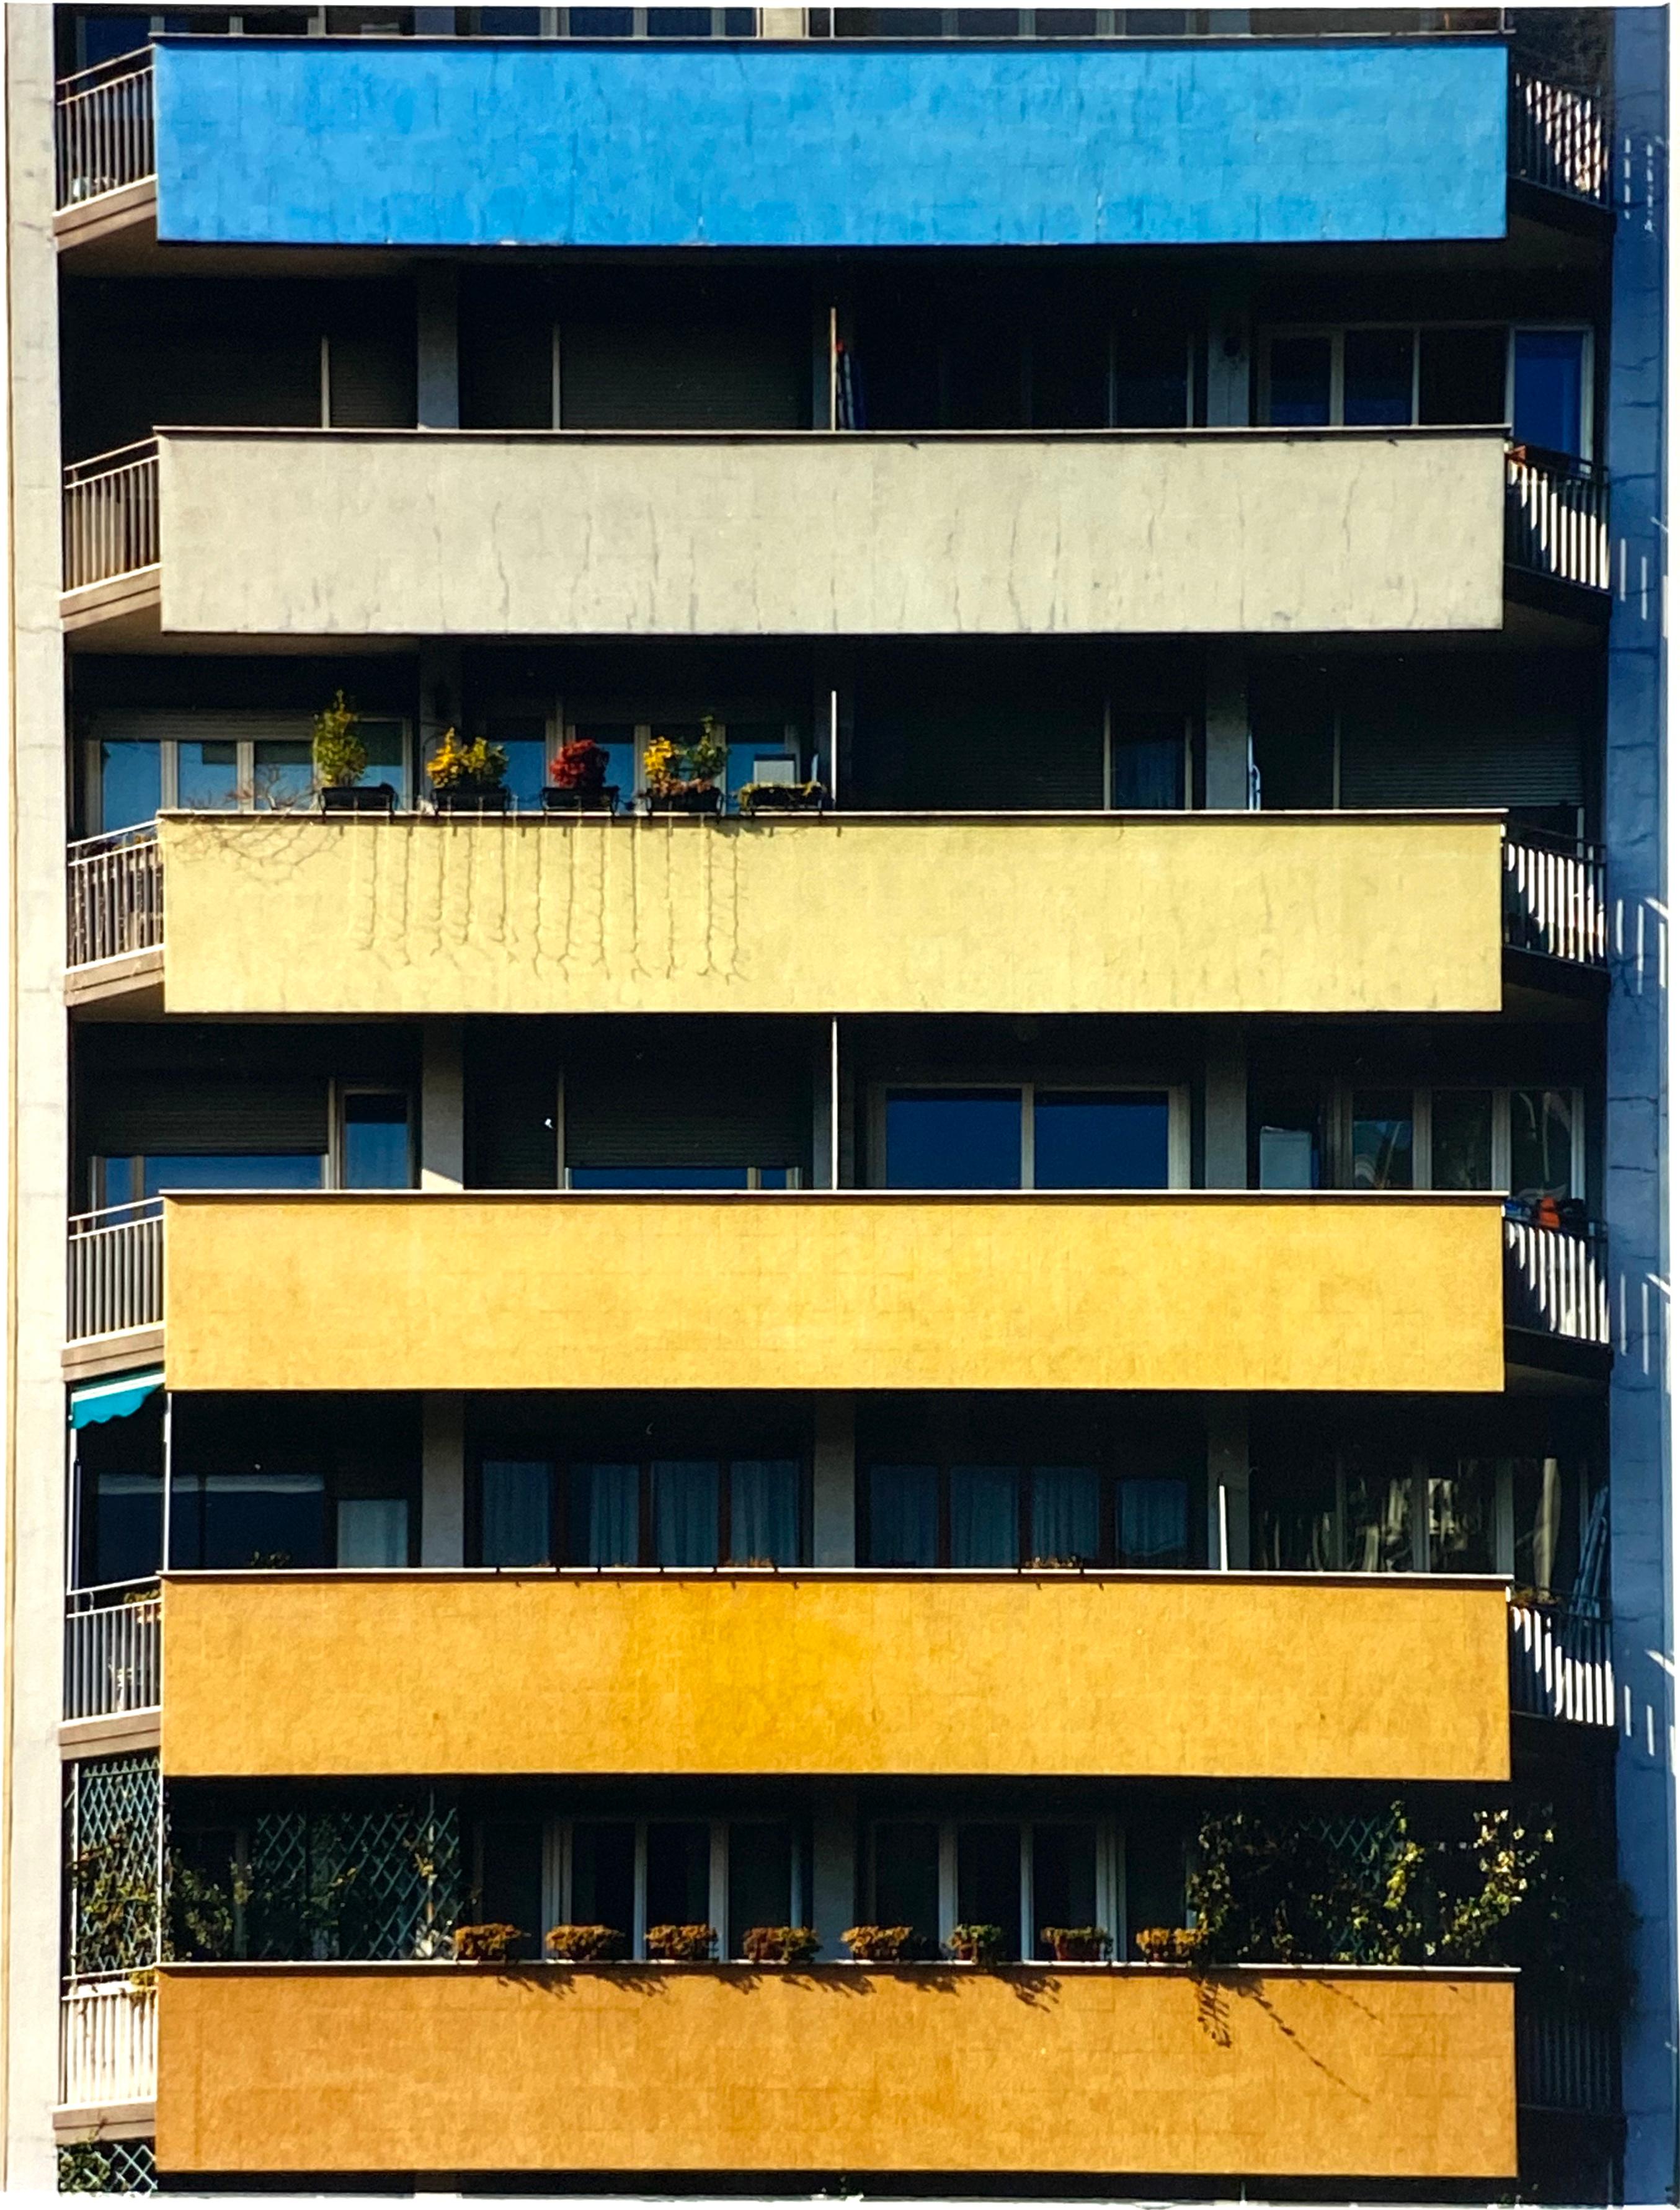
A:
[(303, 533), (359, 2069), (1190, 913), (814, 1675), (849, 1290)]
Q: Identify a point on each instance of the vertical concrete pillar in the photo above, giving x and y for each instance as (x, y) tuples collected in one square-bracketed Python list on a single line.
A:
[(1225, 1108), (442, 1115), (1228, 1484), (834, 1480), (1227, 727), (438, 382), (443, 1477), (833, 1904)]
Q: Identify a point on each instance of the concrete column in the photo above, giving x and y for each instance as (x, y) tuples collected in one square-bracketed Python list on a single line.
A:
[(1225, 1109), (442, 1117), (834, 1480), (833, 1904), (437, 384), (781, 23), (1229, 340), (1227, 724), (443, 1477), (1227, 1482)]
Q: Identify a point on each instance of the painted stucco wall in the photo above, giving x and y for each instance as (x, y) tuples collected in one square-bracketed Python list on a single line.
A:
[(412, 143), (864, 1290), (798, 1674), (834, 2069), (1188, 913), (434, 533)]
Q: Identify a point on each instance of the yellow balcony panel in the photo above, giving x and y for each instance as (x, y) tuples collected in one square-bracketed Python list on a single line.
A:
[(435, 534), (854, 1289), (360, 2068), (1247, 913), (815, 1674)]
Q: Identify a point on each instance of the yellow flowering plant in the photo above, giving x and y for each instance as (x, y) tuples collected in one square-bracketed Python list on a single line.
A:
[(458, 764)]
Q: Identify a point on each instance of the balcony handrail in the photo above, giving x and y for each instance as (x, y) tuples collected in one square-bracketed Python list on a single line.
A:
[(113, 896), (114, 1268), (96, 1594), (104, 135), (1568, 2059), (113, 1654), (1557, 517), (1560, 138), (107, 2042), (1557, 1279), (110, 505), (1555, 896), (1562, 1665)]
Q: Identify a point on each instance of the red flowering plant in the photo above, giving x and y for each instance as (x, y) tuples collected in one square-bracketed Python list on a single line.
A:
[(580, 766)]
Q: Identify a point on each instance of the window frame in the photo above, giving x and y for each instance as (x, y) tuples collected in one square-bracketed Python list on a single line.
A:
[(1178, 1126), (1111, 1896), (224, 730), (560, 1466), (1338, 1098), (1110, 1473), (557, 1854)]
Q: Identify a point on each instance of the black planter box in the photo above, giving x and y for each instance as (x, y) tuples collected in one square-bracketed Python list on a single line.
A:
[(470, 801), (688, 801), (359, 798), (605, 800)]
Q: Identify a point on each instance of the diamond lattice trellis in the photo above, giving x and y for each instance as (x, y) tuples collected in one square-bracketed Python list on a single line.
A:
[(375, 1885), (115, 2167), (114, 1810)]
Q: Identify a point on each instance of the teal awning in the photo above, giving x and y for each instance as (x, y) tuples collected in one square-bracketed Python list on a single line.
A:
[(114, 1399)]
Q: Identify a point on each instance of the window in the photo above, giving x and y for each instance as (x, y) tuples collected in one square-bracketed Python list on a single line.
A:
[(931, 1875), (965, 1513), (373, 1531), (668, 1511), (1030, 1138), (1477, 1137), (1379, 376), (1549, 390), (1147, 758), (136, 765), (1382, 1140), (374, 1139), (633, 1874), (129, 1180)]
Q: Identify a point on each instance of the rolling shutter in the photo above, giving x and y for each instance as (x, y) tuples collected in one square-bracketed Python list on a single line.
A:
[(161, 1114), (647, 374), (707, 1106)]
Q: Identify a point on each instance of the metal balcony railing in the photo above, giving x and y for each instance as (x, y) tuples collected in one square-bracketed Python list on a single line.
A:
[(107, 2042), (1555, 898), (110, 514), (113, 1655), (116, 1269), (1560, 1664), (1560, 139), (104, 135), (1557, 1281), (1556, 518), (1567, 2060), (114, 896)]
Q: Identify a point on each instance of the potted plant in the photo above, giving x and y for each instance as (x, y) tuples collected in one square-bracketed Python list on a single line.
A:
[(491, 1944), (782, 798), (780, 1944), (976, 1944), (882, 1945), (467, 777), (340, 762), (683, 778), (1169, 1945), (586, 1945), (577, 780), (1076, 1944), (682, 1945)]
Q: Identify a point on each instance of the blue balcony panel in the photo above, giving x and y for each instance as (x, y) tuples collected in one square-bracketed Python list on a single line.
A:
[(416, 143)]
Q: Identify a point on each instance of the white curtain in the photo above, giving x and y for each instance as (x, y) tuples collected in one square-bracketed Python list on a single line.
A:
[(985, 1515), (684, 1511), (764, 1511), (515, 1513), (1067, 1513)]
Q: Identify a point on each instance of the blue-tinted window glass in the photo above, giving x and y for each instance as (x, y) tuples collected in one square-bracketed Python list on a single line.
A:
[(657, 1177), (903, 1515), (104, 37), (387, 756), (129, 1521), (953, 1139), (1300, 382), (740, 22), (1548, 368), (376, 1140), (231, 1171), (509, 22), (748, 742), (1084, 1140), (130, 785), (514, 1529), (207, 775), (525, 741), (235, 1521), (1154, 1524), (684, 1511), (606, 1515), (283, 777), (680, 22), (1382, 1140), (617, 741), (985, 1515), (1146, 764), (764, 1511), (601, 22), (1376, 377), (1067, 1513), (372, 1530)]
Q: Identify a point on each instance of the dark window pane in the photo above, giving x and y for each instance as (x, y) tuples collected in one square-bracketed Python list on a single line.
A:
[(127, 1519), (1151, 367), (678, 1874), (988, 22), (515, 1510), (1147, 759), (376, 1140), (1288, 1142), (1293, 1513), (130, 786), (684, 1511), (1461, 1140), (1064, 22), (104, 37), (903, 1515), (1300, 381), (510, 1879), (1376, 377), (888, 22), (509, 22), (604, 1515), (1155, 1857), (1548, 374), (1461, 375), (657, 1177), (1156, 22), (236, 1520), (1382, 1140), (601, 22), (231, 1171), (1064, 1878), (988, 1882), (603, 1874), (907, 1878), (1460, 1499), (761, 1860), (1542, 1145), (953, 1139), (763, 1511), (680, 22), (985, 1515), (1545, 1499), (1066, 1513), (1083, 1141), (1378, 1513), (740, 22), (1154, 1524)]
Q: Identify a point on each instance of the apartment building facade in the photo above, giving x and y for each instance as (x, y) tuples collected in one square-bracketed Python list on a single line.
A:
[(837, 1229)]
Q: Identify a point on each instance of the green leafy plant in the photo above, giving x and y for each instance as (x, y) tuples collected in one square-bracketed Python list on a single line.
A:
[(1076, 1944), (883, 1945), (780, 1944), (777, 797), (682, 1945), (1169, 1945), (458, 764), (586, 1945), (672, 769), (976, 1944), (490, 1944), (340, 756)]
